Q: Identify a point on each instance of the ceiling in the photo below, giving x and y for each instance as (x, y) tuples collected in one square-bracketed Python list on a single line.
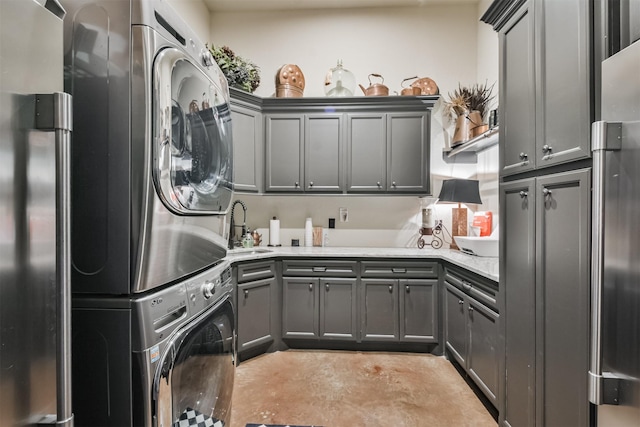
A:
[(263, 5)]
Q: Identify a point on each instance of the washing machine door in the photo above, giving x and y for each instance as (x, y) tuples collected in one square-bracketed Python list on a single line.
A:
[(192, 135), (195, 378)]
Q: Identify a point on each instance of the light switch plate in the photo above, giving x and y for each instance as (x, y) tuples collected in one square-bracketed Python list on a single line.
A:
[(344, 215)]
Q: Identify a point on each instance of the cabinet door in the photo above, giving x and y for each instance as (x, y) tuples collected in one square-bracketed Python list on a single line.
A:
[(517, 309), (517, 93), (407, 152), (323, 153), (563, 71), (247, 149), (379, 310), (300, 308), (456, 324), (418, 310), (562, 282), (366, 152), (338, 309), (284, 152), (482, 353), (255, 313)]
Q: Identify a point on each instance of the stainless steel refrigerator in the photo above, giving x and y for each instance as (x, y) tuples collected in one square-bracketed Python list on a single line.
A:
[(615, 338), (35, 125)]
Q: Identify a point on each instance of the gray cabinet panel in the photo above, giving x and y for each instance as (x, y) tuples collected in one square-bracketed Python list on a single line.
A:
[(407, 151), (517, 93), (338, 309), (456, 324), (398, 269), (564, 82), (366, 152), (418, 310), (379, 310), (483, 348), (300, 308), (518, 292), (256, 270), (248, 162), (562, 280), (323, 153), (284, 152), (255, 313), (320, 267)]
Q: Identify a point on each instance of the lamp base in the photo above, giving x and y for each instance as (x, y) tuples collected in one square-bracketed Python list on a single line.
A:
[(458, 224)]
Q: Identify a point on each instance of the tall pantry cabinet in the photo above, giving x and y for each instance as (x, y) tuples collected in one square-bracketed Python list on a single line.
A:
[(546, 110)]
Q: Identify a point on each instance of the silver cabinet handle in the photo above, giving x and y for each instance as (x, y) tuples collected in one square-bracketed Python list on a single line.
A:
[(246, 294), (524, 194), (390, 289), (297, 184), (407, 288), (546, 149), (310, 184), (310, 286), (393, 184), (379, 184), (523, 156), (460, 302), (546, 191), (326, 286), (470, 309), (466, 285)]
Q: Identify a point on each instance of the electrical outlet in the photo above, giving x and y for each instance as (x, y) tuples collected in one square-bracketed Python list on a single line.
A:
[(344, 215)]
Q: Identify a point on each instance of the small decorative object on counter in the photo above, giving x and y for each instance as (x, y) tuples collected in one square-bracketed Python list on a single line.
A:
[(274, 232), (375, 89), (257, 238), (339, 81), (483, 220), (247, 241), (289, 82), (308, 233), (318, 236), (439, 235)]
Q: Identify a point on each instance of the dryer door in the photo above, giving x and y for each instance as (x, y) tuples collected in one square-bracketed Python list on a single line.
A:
[(192, 136)]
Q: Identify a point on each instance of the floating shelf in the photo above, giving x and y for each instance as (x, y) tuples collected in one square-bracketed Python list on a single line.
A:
[(475, 145)]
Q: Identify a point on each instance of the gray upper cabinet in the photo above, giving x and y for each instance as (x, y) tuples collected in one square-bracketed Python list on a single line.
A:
[(564, 113), (248, 145), (408, 152), (323, 153), (366, 152), (546, 81), (284, 152), (517, 93)]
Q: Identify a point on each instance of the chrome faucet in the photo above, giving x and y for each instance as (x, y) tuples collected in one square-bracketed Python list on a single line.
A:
[(232, 225)]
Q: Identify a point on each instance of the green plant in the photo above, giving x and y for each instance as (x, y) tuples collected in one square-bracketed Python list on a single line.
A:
[(466, 99), (240, 73)]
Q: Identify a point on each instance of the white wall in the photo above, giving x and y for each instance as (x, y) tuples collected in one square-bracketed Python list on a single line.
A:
[(446, 43)]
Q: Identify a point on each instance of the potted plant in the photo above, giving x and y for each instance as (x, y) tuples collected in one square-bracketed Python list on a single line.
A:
[(240, 73), (468, 107)]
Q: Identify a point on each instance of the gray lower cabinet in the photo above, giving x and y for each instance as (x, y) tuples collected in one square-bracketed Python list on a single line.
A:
[(248, 145), (471, 329), (256, 305), (545, 258), (315, 308), (398, 301)]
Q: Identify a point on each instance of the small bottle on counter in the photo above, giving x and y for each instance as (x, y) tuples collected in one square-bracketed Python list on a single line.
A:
[(308, 233), (247, 241)]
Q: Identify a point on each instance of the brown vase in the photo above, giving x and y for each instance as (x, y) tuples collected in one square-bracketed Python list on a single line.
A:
[(462, 131)]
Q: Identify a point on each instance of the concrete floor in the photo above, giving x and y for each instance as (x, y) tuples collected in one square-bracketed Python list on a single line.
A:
[(350, 389)]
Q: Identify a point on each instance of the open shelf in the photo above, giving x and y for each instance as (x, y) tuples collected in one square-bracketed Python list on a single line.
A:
[(475, 145)]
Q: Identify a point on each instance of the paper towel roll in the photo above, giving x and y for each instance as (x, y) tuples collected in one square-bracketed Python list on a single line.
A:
[(274, 232)]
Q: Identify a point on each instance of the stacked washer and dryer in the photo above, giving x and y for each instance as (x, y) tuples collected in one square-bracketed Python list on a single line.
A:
[(153, 329)]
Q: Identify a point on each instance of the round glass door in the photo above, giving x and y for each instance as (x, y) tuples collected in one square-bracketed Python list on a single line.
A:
[(193, 149)]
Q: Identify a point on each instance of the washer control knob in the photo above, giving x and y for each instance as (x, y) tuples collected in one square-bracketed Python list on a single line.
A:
[(208, 289), (207, 58)]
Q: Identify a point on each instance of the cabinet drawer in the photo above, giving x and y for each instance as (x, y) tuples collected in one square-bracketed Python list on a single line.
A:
[(399, 270), (485, 291), (256, 271), (319, 268)]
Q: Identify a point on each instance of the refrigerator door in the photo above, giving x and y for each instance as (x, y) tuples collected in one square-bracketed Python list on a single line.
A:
[(34, 148), (615, 364)]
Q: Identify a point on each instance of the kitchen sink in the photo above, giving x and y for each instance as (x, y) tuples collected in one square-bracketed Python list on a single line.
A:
[(480, 246)]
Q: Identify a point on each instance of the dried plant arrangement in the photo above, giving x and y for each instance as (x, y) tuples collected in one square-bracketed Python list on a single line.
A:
[(240, 73), (466, 99)]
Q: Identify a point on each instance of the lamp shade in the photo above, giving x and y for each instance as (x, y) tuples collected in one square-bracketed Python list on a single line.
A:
[(460, 191)]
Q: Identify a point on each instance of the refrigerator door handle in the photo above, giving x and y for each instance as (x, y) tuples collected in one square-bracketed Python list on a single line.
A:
[(54, 113), (606, 136)]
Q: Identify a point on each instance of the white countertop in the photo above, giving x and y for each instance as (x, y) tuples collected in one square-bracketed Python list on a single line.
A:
[(484, 266)]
